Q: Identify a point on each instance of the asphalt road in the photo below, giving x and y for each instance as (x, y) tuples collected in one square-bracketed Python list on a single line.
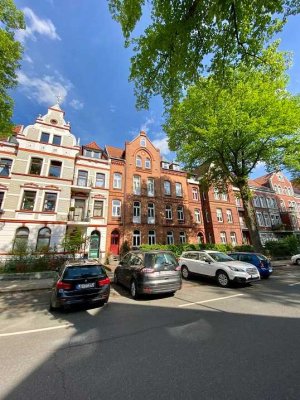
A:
[(203, 343)]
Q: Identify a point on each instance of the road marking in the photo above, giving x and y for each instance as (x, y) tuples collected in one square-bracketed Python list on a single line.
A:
[(208, 301), (294, 284), (37, 330)]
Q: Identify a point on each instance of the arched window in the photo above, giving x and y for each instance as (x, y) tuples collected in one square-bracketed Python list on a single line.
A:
[(148, 163), (43, 239), (136, 239), (21, 239), (138, 162), (200, 237), (5, 166), (182, 237), (151, 237)]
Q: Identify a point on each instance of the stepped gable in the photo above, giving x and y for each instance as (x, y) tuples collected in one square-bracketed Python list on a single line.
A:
[(115, 152)]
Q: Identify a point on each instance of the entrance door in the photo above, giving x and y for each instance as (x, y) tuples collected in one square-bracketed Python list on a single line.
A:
[(79, 209), (94, 245), (114, 242)]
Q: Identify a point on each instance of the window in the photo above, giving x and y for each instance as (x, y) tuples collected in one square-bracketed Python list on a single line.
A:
[(204, 195), (167, 188), (260, 219), (82, 179), (216, 193), (197, 215), (136, 212), (195, 194), (180, 214), (117, 183), (55, 168), (182, 237), (1, 199), (45, 137), (267, 219), (92, 153), (137, 185), (50, 201), (5, 166), (143, 142), (280, 177), (56, 140), (223, 237), (28, 200), (165, 165), (282, 205), (100, 180), (21, 238), (116, 208), (207, 216), (289, 191), (238, 202), (170, 238), (148, 163), (150, 187), (262, 202), (275, 188), (151, 237), (256, 201), (224, 196), (200, 237), (136, 239), (98, 208), (219, 215), (43, 239), (36, 166), (168, 212), (279, 189), (233, 238), (285, 190), (229, 216), (178, 189), (151, 213), (138, 161)]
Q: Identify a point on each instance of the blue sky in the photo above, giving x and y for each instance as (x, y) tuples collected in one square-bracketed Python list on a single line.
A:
[(75, 49)]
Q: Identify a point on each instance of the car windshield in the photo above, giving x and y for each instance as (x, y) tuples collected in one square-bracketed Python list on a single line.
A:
[(220, 257), (83, 271), (261, 257), (160, 261)]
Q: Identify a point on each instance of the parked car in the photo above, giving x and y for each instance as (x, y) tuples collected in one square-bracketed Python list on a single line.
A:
[(81, 282), (217, 265), (262, 263), (147, 272), (296, 259)]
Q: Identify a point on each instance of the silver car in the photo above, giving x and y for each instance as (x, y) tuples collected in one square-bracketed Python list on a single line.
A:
[(218, 265)]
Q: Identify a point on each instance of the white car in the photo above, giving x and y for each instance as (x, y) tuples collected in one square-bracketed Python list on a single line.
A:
[(217, 265), (296, 259)]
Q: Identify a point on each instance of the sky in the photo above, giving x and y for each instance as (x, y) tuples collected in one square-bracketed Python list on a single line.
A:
[(73, 48)]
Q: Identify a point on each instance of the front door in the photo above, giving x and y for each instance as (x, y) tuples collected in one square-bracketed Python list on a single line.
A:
[(114, 243), (94, 245)]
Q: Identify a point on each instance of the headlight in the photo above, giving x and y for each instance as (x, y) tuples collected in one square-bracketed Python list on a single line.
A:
[(235, 269)]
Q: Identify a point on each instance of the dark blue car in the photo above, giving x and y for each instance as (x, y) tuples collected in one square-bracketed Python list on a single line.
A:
[(262, 263)]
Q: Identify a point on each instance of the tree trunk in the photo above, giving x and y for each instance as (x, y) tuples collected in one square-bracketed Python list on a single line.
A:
[(250, 219)]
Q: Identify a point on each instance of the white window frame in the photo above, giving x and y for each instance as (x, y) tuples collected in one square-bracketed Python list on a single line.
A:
[(178, 189), (168, 212), (223, 237), (180, 213), (233, 238), (150, 187), (151, 237), (117, 182), (182, 237), (136, 238), (151, 213), (170, 237), (197, 214), (219, 214), (195, 193), (136, 184), (167, 188), (116, 208), (229, 216), (138, 162), (148, 163), (260, 218)]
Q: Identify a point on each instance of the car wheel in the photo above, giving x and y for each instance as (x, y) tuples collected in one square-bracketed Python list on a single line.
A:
[(53, 306), (133, 290), (222, 279), (298, 261), (185, 272)]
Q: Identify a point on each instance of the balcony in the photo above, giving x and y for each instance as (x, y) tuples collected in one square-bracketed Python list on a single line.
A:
[(78, 219), (82, 183), (136, 219), (151, 220)]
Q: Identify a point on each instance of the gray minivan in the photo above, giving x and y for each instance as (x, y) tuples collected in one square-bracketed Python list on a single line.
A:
[(149, 272)]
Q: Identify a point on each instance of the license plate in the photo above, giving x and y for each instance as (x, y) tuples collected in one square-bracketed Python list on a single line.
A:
[(85, 285)]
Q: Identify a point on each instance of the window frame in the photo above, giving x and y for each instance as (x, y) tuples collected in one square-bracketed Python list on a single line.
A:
[(55, 168), (45, 200)]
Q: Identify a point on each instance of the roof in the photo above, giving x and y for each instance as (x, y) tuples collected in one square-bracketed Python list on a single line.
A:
[(263, 180), (92, 145), (114, 152)]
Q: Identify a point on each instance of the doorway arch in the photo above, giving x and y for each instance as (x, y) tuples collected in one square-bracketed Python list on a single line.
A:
[(94, 244)]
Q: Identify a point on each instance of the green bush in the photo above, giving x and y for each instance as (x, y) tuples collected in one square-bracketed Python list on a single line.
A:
[(284, 247), (244, 247)]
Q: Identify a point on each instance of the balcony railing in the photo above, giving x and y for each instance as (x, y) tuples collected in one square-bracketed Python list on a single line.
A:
[(78, 218), (82, 182)]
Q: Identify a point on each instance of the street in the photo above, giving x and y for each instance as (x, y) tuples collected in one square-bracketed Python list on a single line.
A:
[(204, 342)]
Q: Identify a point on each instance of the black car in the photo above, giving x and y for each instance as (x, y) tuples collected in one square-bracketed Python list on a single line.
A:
[(262, 263), (149, 272), (80, 283)]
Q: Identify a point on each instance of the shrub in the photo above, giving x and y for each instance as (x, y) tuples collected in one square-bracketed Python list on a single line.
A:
[(244, 247), (125, 248), (284, 247)]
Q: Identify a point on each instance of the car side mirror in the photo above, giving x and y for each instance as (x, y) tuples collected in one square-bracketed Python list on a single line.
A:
[(207, 260)]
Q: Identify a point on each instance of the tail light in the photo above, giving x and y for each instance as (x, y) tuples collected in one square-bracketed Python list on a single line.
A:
[(147, 270), (63, 285), (105, 281)]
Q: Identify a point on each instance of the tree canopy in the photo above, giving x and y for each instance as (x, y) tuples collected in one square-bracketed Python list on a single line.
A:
[(10, 55), (186, 38), (231, 128)]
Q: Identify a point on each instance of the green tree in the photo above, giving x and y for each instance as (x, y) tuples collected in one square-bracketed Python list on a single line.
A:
[(74, 240), (186, 38), (10, 55), (225, 130)]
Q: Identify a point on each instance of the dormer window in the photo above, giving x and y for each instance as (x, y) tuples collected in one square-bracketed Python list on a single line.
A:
[(45, 137), (91, 153), (138, 161), (143, 142), (165, 165)]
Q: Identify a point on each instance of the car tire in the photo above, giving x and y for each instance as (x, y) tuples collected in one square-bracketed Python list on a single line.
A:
[(133, 290), (298, 261), (52, 307), (222, 279), (185, 273)]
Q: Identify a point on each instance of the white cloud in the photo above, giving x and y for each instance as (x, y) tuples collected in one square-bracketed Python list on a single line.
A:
[(112, 108), (44, 90), (27, 58), (36, 25), (162, 145), (145, 126), (76, 104)]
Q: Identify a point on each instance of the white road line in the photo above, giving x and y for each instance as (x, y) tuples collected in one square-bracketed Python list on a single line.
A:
[(294, 284), (210, 300), (37, 330)]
